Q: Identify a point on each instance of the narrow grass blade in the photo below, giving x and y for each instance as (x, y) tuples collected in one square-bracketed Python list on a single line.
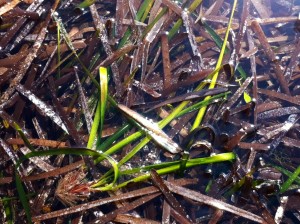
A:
[(115, 167), (23, 198), (139, 16), (147, 10), (58, 50), (202, 111), (84, 103), (138, 134), (103, 95), (72, 48), (285, 186), (7, 205), (203, 103), (173, 168), (217, 39), (179, 22), (287, 173), (95, 126), (189, 96), (183, 161), (85, 4), (104, 145), (23, 136)]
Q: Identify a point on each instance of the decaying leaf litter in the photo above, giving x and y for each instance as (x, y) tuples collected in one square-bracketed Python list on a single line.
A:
[(149, 111)]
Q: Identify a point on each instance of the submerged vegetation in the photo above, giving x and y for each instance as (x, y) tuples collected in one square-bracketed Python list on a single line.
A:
[(149, 111)]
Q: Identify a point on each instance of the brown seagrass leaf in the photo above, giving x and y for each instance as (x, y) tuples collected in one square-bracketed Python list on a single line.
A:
[(151, 128), (190, 96), (103, 201), (191, 194), (46, 109), (169, 196)]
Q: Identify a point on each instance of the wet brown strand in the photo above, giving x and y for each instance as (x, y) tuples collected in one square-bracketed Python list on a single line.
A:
[(271, 55)]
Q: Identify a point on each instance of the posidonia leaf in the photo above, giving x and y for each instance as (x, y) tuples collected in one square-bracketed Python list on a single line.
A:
[(72, 151), (214, 78), (48, 110), (285, 186), (217, 39), (114, 164), (139, 15), (22, 196), (203, 103), (7, 205), (179, 22), (175, 166), (110, 140), (72, 48), (25, 139), (135, 136), (153, 130), (85, 4), (138, 134), (58, 49), (95, 126), (61, 151), (287, 173), (147, 10), (103, 95)]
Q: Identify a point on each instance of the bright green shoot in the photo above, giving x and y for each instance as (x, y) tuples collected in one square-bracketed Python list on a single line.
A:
[(176, 166), (214, 78), (103, 95), (285, 186)]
